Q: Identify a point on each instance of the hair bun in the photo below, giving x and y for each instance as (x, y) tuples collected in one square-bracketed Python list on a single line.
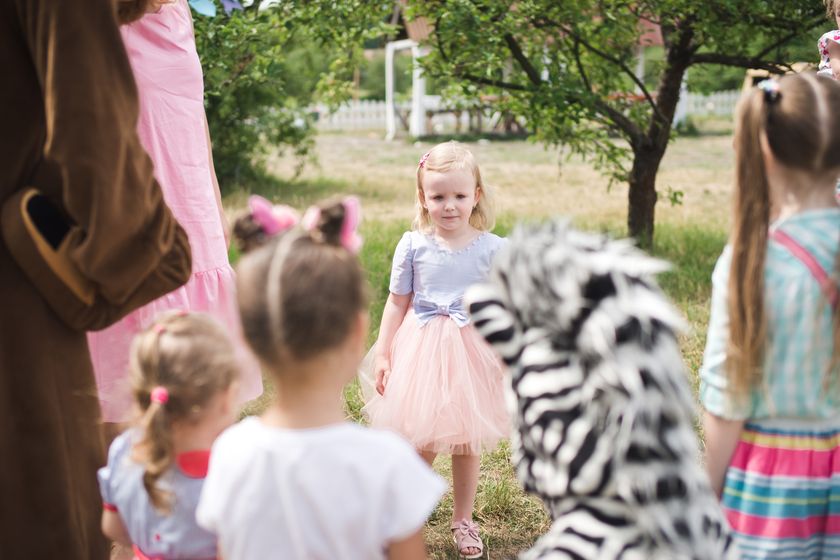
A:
[(248, 234), (264, 221), (328, 224)]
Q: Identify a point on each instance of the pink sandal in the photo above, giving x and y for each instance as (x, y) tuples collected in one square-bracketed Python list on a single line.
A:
[(465, 534)]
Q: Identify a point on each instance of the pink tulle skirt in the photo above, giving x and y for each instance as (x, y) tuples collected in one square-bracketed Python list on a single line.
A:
[(445, 393)]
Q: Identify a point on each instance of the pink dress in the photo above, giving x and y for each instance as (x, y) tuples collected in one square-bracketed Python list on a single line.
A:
[(161, 48)]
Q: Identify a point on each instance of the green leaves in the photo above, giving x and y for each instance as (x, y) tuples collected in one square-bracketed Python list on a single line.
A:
[(265, 65), (567, 68)]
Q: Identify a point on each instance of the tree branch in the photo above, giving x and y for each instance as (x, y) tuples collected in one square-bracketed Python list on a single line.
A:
[(768, 22), (740, 61), (621, 65), (472, 77), (579, 63), (616, 118), (489, 82), (523, 61)]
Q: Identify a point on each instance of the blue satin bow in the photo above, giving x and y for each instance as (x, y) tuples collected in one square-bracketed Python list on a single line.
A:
[(426, 310)]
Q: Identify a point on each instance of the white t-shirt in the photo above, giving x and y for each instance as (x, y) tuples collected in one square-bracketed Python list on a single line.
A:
[(342, 491)]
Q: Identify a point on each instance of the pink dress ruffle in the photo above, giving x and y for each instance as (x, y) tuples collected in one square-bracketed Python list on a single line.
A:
[(211, 292), (171, 127), (445, 393)]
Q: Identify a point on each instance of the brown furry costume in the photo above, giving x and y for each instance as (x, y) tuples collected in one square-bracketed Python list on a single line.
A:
[(96, 243)]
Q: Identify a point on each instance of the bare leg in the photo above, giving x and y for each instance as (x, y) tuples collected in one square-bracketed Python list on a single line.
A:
[(427, 456), (465, 469)]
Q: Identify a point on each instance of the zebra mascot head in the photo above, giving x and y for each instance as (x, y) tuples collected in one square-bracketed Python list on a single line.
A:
[(598, 392)]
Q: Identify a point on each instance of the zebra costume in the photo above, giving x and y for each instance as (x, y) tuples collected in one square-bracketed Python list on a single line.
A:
[(603, 416)]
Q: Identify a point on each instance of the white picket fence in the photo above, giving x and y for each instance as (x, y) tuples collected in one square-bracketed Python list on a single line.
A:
[(356, 115), (370, 115), (718, 104)]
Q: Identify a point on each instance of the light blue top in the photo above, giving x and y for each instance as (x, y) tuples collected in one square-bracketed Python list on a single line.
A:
[(172, 536), (439, 277), (796, 383)]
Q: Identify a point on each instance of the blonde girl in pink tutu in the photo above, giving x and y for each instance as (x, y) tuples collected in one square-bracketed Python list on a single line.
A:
[(434, 379)]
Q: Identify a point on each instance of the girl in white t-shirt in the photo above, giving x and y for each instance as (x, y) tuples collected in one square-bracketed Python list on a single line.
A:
[(300, 481)]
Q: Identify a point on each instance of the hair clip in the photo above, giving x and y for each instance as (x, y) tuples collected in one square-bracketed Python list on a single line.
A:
[(423, 159), (273, 219), (350, 238), (770, 87), (159, 394)]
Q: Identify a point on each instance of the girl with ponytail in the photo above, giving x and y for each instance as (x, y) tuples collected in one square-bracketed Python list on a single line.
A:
[(770, 380), (184, 376), (301, 481)]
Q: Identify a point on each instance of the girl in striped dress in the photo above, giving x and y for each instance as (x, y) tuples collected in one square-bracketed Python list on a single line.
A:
[(770, 380)]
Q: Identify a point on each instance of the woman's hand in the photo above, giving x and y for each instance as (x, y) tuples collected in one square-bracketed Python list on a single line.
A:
[(382, 370), (154, 6)]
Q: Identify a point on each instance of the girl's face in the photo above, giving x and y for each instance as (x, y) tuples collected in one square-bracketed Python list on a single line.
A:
[(450, 198)]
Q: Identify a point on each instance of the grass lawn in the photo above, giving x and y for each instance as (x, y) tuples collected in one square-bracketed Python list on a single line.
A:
[(530, 183)]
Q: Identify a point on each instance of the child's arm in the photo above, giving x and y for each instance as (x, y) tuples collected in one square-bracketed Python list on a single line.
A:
[(114, 528), (410, 548), (721, 438), (392, 318), (834, 57)]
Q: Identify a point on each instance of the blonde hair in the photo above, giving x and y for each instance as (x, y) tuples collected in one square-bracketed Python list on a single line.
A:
[(192, 358), (830, 9), (798, 122), (300, 291), (446, 157)]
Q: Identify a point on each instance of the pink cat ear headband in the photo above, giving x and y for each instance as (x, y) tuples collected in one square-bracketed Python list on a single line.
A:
[(274, 219)]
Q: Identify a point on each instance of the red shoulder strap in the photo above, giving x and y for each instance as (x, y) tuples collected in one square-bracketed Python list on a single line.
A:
[(829, 288)]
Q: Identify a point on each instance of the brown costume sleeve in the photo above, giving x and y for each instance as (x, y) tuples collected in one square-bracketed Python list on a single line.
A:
[(123, 243)]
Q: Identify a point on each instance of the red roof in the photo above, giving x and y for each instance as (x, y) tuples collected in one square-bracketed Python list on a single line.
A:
[(651, 34), (417, 29)]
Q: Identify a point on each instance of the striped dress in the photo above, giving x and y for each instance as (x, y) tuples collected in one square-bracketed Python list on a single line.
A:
[(782, 489)]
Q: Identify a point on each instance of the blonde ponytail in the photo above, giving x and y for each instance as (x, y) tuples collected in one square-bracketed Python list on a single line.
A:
[(177, 366)]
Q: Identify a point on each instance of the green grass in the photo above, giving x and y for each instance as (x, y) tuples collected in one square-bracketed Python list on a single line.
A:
[(532, 185)]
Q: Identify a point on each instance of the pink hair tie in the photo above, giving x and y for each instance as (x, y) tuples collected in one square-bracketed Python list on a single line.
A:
[(159, 395), (423, 160), (273, 219)]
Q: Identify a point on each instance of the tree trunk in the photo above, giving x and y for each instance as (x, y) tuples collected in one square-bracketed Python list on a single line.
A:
[(649, 150), (642, 195)]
